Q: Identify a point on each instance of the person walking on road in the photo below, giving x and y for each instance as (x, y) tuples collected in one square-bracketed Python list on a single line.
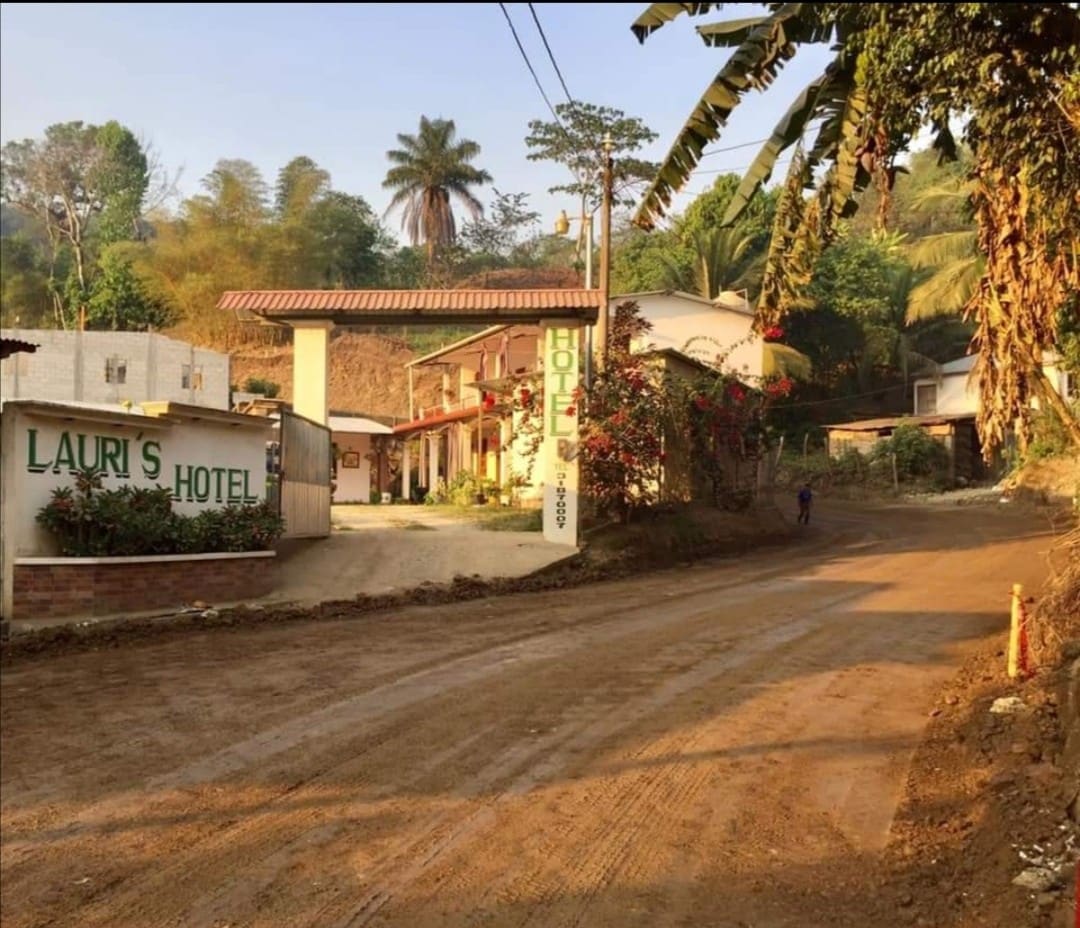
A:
[(805, 496)]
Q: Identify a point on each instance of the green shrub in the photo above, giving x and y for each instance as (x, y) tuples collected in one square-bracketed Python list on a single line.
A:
[(463, 490), (266, 388), (917, 453), (131, 521)]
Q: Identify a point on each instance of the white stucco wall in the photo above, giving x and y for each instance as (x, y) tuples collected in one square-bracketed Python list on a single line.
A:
[(70, 366), (353, 484), (955, 395), (701, 330)]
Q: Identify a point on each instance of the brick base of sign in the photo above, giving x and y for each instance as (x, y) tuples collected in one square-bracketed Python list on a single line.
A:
[(48, 588)]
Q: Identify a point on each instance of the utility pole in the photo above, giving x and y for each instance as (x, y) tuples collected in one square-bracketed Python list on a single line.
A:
[(605, 256)]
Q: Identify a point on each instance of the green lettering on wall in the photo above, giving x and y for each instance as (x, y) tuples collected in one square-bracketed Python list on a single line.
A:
[(559, 404), (85, 463), (112, 456), (182, 483), (65, 456), (151, 460), (32, 463), (236, 485), (200, 483), (249, 497), (219, 475)]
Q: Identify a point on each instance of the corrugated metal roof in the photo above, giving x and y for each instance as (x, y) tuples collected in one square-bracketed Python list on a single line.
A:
[(872, 425), (285, 304), (455, 415)]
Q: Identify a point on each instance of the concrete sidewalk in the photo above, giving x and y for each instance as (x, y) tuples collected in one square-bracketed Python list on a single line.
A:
[(380, 549)]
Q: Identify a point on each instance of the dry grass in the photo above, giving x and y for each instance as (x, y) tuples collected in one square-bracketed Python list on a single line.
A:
[(1057, 614)]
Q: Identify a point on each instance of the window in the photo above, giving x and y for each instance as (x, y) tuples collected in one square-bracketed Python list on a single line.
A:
[(925, 399), (191, 377), (115, 370)]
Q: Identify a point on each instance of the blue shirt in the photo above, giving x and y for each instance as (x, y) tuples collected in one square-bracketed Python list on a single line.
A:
[(804, 495)]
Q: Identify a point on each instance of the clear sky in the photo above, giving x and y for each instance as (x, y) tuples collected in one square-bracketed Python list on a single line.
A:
[(337, 82)]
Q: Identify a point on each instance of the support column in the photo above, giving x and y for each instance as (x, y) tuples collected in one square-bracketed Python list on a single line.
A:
[(406, 473), (559, 450), (311, 363), (433, 462), (504, 459)]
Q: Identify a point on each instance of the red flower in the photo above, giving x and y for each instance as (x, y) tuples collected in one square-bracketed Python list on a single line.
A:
[(736, 392), (571, 411), (526, 395), (773, 333)]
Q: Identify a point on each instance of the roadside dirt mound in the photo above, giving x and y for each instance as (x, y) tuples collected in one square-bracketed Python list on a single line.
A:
[(984, 837), (367, 374), (1050, 480)]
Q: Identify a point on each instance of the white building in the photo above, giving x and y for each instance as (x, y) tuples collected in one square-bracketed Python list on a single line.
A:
[(357, 461), (954, 391), (701, 328), (113, 368)]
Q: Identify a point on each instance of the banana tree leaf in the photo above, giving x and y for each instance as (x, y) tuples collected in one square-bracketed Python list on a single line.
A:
[(834, 83), (658, 14), (753, 65), (730, 33)]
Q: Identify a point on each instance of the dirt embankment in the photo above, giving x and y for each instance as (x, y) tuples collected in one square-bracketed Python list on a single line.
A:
[(663, 541), (367, 374), (987, 835)]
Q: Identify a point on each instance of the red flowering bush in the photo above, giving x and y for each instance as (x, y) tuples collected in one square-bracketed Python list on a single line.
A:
[(630, 409)]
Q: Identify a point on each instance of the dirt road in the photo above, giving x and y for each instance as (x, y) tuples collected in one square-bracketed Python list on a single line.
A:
[(721, 745)]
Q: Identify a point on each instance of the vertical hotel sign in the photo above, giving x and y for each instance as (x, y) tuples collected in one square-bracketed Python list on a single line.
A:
[(560, 447)]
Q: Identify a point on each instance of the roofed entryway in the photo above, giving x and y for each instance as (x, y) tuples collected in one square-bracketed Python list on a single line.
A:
[(560, 313)]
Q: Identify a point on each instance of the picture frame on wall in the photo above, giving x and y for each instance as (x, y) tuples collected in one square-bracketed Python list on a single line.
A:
[(350, 460)]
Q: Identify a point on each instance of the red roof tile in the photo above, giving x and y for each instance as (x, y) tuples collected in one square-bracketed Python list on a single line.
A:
[(367, 305)]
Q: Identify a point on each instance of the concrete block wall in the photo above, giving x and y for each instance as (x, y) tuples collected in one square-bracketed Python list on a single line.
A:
[(71, 366)]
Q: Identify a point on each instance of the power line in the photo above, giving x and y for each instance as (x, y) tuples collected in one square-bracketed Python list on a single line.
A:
[(720, 151), (528, 64), (551, 54)]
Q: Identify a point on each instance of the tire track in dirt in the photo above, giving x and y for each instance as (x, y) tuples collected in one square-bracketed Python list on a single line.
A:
[(183, 871)]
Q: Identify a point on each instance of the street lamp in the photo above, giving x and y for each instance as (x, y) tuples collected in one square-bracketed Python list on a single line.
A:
[(562, 227)]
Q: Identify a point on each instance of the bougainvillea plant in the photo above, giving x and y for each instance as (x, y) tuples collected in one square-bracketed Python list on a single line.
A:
[(633, 410)]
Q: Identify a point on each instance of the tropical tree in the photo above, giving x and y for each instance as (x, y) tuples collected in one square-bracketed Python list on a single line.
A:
[(574, 140), (1012, 69), (428, 170), (85, 185)]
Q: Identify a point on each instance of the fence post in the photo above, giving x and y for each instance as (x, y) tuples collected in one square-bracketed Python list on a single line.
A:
[(895, 475)]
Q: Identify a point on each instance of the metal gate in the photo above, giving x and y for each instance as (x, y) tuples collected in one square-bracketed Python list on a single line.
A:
[(306, 463)]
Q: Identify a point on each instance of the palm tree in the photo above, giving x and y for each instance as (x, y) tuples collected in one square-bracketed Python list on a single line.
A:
[(719, 263), (952, 256), (430, 168)]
